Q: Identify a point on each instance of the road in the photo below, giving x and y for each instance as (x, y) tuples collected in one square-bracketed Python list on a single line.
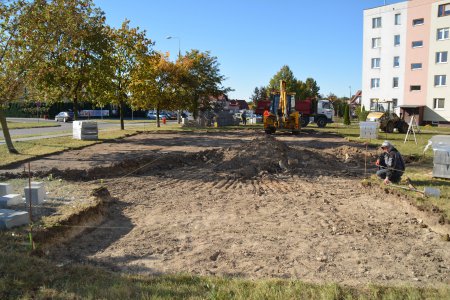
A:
[(65, 129)]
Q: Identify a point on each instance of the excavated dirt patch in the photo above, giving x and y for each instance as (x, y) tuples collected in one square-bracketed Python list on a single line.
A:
[(234, 209)]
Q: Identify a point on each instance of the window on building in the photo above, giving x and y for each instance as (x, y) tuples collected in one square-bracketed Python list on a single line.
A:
[(396, 39), (416, 66), (396, 61), (418, 21), (394, 102), (374, 83), (441, 57), (376, 22), (415, 88), (440, 80), (374, 104), (444, 10), (376, 63), (376, 42), (438, 103), (443, 33), (395, 82), (398, 20), (417, 44)]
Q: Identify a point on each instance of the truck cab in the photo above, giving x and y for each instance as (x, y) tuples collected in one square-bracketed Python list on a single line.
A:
[(320, 112), (325, 108)]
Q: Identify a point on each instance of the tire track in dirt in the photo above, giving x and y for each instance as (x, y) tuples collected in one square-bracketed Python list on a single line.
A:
[(300, 224)]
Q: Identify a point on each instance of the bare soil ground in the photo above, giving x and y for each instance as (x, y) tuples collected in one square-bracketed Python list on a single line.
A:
[(244, 204)]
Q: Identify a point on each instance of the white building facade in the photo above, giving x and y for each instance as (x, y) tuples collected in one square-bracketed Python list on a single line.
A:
[(438, 96), (405, 57), (384, 50)]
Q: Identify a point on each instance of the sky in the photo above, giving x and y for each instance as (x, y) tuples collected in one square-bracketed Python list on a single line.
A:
[(253, 39)]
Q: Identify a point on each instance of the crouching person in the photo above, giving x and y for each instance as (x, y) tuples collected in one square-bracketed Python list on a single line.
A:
[(390, 164)]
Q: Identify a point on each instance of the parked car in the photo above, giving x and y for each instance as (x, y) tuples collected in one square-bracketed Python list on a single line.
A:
[(64, 116), (171, 115), (151, 115)]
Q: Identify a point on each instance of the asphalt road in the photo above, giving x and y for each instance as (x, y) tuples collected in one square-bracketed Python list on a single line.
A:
[(61, 130)]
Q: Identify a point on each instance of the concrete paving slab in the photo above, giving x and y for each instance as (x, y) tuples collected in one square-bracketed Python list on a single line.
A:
[(11, 218), (9, 200)]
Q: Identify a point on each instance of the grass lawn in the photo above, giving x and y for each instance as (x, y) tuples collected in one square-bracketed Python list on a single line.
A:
[(419, 171), (25, 276), (23, 125), (39, 147)]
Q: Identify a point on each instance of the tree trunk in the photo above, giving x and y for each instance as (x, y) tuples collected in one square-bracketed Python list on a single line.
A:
[(121, 109), (195, 109), (158, 124), (6, 134)]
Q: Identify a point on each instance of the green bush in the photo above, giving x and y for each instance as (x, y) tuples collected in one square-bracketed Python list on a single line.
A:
[(347, 115), (362, 113)]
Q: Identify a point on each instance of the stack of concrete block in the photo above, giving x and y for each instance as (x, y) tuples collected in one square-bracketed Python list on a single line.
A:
[(5, 189), (36, 192), (11, 218), (85, 130), (8, 199), (441, 161)]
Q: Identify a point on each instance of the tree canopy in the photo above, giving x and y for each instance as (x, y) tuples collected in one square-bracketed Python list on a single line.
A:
[(302, 90), (128, 45), (62, 50), (23, 42)]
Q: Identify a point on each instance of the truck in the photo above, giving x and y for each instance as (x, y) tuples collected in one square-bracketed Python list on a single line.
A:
[(319, 111)]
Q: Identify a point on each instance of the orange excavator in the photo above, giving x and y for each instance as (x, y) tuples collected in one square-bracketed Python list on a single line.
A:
[(281, 114)]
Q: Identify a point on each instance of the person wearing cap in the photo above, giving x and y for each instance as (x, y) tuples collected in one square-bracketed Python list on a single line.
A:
[(390, 164)]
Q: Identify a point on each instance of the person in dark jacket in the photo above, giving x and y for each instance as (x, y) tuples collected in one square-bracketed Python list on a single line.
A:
[(244, 118), (391, 165)]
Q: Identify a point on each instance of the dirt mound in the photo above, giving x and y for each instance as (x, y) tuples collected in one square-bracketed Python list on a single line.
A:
[(262, 154), (267, 155), (354, 156), (151, 163)]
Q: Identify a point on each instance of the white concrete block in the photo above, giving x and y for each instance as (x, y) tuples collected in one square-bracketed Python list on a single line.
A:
[(85, 130), (38, 184), (9, 200), (5, 189), (37, 194), (11, 218)]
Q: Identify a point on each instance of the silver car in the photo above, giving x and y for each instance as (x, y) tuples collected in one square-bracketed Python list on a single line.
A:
[(63, 116)]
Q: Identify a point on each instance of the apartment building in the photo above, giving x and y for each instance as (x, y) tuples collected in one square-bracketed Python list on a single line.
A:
[(405, 58)]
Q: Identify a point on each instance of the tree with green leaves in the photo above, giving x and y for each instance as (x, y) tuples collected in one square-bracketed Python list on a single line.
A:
[(259, 94), (346, 114), (79, 59), (156, 83), (312, 88), (24, 38), (127, 46), (286, 74), (205, 81)]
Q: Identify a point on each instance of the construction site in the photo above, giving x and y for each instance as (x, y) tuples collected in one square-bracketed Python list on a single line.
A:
[(236, 203)]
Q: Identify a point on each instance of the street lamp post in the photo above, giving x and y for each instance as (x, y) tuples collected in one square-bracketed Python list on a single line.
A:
[(179, 56)]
